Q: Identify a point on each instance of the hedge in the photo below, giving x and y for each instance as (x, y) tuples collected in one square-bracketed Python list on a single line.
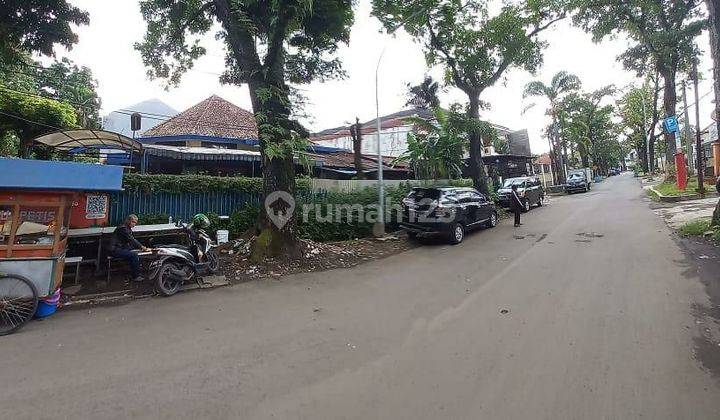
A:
[(198, 183), (245, 218)]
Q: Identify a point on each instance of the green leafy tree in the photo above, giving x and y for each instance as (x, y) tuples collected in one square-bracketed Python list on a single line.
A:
[(76, 86), (35, 26), (634, 109), (474, 46), (561, 84), (23, 117), (424, 95), (269, 45), (588, 123), (662, 33)]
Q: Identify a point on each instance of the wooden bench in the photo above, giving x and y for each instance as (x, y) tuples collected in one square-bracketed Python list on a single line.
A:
[(76, 261)]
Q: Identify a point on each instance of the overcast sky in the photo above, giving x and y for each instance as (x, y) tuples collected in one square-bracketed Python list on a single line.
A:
[(106, 47)]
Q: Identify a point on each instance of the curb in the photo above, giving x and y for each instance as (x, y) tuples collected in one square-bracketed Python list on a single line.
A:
[(677, 198), (126, 296)]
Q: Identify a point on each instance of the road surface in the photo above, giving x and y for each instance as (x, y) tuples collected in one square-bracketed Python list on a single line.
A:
[(588, 311)]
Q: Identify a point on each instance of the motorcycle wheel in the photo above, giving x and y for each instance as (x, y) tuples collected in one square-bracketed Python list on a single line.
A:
[(213, 261), (165, 283)]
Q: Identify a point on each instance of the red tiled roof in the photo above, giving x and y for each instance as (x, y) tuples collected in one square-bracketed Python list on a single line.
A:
[(543, 159), (213, 117)]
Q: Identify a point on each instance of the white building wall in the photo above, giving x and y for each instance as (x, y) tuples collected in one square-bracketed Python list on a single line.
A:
[(393, 142)]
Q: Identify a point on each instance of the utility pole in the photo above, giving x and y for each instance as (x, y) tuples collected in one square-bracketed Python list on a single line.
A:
[(688, 131), (645, 132), (698, 141)]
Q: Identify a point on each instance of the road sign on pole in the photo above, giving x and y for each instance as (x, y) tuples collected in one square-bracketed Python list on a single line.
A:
[(670, 124)]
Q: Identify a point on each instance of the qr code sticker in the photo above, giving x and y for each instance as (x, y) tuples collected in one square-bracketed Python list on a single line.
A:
[(96, 207)]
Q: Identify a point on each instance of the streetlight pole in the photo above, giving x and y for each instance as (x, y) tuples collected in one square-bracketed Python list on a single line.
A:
[(379, 228)]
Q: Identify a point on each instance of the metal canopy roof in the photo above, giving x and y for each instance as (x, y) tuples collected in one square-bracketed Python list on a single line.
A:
[(202, 153), (88, 139)]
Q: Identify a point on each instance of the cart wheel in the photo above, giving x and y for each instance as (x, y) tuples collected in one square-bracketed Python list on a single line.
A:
[(18, 302)]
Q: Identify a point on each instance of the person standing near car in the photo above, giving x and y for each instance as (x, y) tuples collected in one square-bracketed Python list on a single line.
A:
[(123, 245), (515, 204)]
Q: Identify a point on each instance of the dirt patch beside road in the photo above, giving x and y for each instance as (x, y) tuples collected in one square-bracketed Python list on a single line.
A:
[(237, 267)]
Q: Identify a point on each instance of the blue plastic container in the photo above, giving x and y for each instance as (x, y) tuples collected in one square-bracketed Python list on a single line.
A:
[(45, 309)]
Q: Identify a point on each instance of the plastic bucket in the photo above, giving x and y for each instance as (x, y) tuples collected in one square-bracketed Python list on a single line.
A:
[(222, 236), (45, 309), (48, 305)]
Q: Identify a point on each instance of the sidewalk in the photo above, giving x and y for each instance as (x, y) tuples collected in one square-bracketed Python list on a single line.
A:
[(677, 214)]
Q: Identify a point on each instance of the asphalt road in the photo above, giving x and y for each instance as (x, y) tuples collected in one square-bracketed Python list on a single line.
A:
[(585, 312)]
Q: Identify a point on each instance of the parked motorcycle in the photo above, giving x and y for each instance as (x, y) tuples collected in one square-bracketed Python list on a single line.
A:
[(177, 264)]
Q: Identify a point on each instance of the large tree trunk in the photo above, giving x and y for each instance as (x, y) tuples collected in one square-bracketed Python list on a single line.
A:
[(272, 113), (651, 149), (356, 133), (275, 238), (655, 117), (477, 168), (669, 107)]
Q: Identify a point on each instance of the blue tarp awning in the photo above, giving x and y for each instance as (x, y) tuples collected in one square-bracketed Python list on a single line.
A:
[(54, 175)]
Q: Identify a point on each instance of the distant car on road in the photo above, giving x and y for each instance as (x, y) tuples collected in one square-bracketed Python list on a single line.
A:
[(579, 180), (530, 191), (448, 211)]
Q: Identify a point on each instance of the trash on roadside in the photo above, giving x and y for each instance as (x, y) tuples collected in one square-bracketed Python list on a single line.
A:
[(504, 311)]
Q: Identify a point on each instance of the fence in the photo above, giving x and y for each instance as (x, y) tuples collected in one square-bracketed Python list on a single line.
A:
[(359, 184), (178, 205), (185, 205)]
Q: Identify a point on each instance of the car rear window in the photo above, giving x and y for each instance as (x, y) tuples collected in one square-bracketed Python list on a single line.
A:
[(421, 193)]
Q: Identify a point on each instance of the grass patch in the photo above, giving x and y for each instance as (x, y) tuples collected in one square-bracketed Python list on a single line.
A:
[(670, 189), (695, 227), (652, 194)]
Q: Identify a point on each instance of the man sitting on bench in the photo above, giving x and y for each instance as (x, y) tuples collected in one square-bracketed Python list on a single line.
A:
[(123, 245)]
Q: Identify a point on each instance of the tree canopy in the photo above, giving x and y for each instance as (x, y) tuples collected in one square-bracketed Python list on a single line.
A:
[(35, 26), (24, 117), (662, 34), (474, 46)]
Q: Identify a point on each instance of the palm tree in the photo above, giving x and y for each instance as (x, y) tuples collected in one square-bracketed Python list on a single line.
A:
[(424, 95), (560, 85), (436, 148)]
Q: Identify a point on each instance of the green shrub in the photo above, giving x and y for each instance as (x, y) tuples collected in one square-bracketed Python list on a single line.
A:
[(152, 219), (246, 217), (198, 183)]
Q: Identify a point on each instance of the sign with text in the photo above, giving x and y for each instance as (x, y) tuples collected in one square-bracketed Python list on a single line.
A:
[(670, 124)]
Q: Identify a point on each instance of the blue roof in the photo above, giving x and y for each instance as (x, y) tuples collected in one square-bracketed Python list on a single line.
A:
[(54, 175)]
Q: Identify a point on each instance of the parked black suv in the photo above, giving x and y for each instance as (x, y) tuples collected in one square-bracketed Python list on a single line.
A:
[(449, 211), (530, 191)]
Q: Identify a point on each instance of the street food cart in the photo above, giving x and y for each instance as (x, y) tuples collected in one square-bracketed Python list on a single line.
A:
[(38, 200)]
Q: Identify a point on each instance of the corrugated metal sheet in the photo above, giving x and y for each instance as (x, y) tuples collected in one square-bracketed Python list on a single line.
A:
[(178, 205)]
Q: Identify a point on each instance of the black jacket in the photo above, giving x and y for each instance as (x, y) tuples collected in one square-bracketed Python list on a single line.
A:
[(515, 203), (122, 238)]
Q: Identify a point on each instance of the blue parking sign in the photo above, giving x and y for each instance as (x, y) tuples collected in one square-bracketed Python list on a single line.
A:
[(671, 124)]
